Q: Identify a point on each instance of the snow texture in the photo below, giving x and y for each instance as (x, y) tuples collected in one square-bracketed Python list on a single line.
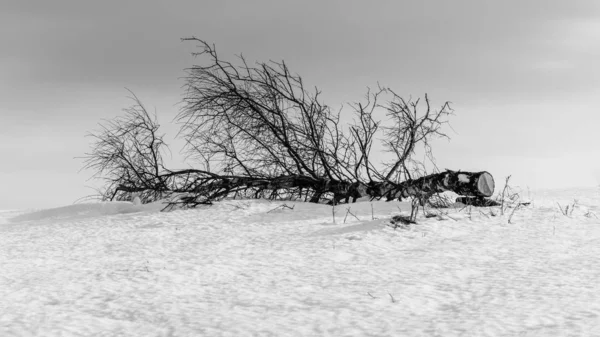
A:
[(256, 268)]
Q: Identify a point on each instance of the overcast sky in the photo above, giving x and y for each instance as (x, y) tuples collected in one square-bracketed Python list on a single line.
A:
[(523, 76)]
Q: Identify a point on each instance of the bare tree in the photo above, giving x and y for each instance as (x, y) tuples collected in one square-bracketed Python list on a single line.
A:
[(259, 131), (127, 153), (411, 128), (261, 121)]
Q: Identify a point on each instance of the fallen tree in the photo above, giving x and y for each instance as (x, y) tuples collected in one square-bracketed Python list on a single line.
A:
[(258, 131), (201, 187)]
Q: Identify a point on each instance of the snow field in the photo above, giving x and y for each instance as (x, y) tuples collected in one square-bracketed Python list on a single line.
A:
[(249, 268)]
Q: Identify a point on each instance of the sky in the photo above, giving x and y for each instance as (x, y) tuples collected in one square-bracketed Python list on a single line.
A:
[(522, 76)]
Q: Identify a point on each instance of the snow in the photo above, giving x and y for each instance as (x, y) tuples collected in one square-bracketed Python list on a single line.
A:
[(253, 268)]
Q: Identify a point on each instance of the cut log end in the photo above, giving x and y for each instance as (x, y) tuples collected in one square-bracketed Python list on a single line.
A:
[(485, 184)]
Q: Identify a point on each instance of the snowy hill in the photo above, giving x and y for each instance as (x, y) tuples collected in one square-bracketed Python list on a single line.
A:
[(257, 268)]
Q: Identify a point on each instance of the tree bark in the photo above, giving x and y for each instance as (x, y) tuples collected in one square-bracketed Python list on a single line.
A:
[(475, 184)]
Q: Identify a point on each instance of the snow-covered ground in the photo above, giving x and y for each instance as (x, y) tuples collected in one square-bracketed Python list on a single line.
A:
[(249, 268)]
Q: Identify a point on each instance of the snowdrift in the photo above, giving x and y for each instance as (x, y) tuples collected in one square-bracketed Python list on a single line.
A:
[(259, 268), (85, 210)]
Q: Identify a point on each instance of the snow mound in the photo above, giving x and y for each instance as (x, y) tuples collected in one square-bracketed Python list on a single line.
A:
[(86, 210), (261, 268)]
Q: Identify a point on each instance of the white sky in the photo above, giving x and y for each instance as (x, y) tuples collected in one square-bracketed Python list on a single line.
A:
[(523, 76)]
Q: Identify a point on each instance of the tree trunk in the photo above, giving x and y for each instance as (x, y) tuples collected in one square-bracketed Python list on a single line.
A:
[(213, 187), (476, 184)]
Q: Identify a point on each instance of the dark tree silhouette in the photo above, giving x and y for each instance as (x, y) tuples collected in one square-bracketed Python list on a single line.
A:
[(127, 153), (259, 131)]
